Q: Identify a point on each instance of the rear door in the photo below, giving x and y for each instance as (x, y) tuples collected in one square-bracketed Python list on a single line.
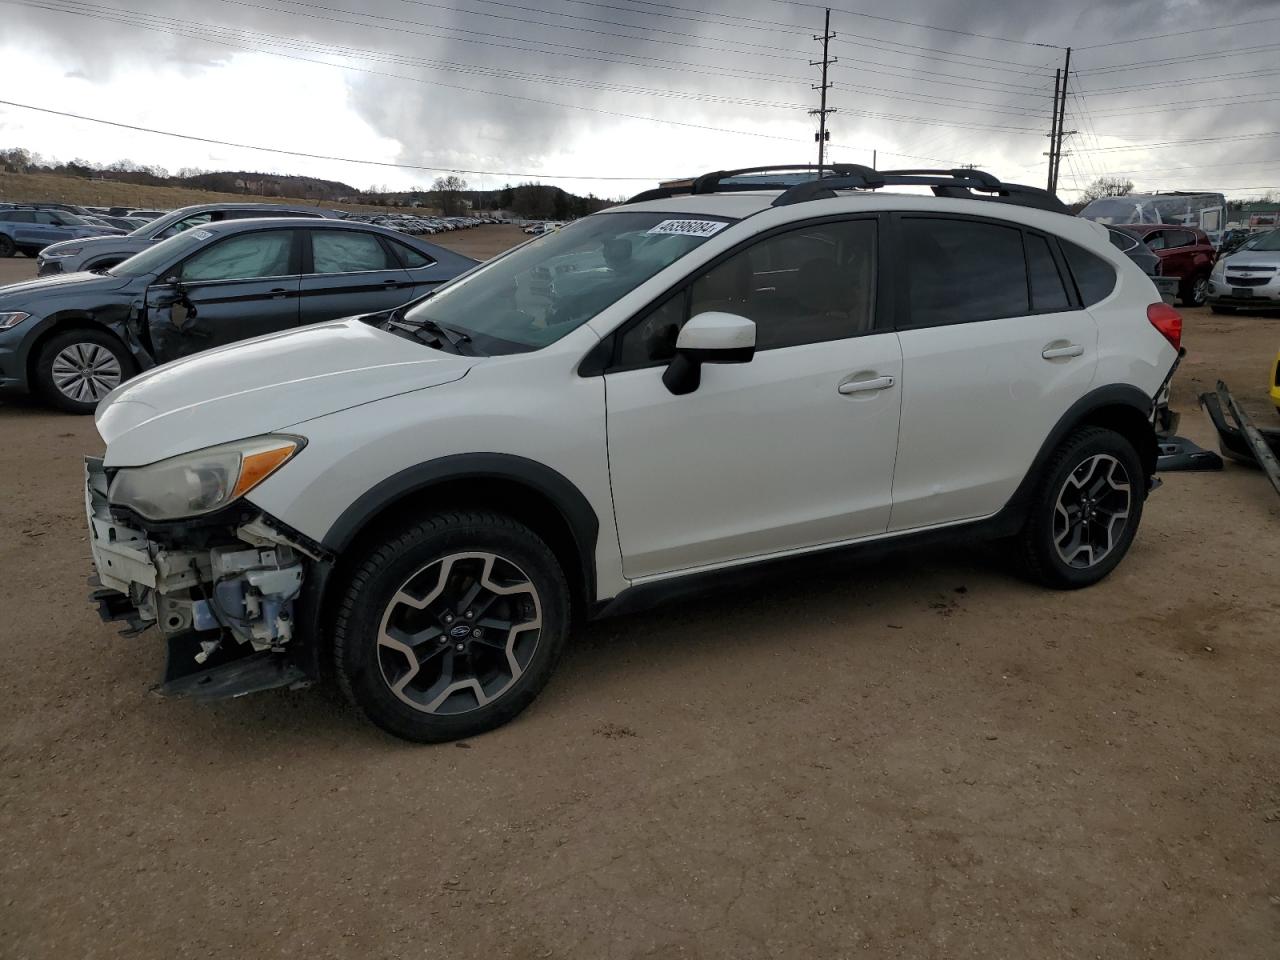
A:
[(995, 348), (351, 272), (242, 286)]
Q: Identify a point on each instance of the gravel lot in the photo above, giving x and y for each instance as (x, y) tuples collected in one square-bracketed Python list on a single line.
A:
[(924, 757)]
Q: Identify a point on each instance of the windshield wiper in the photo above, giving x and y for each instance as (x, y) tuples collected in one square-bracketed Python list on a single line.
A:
[(429, 332)]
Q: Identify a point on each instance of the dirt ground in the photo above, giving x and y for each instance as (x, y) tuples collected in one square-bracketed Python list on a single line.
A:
[(924, 757)]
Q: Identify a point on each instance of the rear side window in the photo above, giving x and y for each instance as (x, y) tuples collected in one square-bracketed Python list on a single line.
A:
[(1048, 291), (962, 271), (410, 257), (348, 251), (1095, 278)]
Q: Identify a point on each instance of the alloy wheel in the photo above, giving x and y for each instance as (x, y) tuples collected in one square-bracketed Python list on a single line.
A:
[(459, 633), (1091, 511), (1200, 292), (86, 372)]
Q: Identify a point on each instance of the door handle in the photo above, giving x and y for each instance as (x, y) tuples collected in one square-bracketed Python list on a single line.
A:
[(865, 386), (279, 293), (1070, 350)]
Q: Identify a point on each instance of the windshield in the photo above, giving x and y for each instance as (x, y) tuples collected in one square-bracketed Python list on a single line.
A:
[(153, 259), (549, 287), (1263, 241)]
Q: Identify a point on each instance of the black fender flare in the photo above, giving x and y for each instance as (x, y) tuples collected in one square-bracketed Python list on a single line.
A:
[(574, 508), (1010, 519)]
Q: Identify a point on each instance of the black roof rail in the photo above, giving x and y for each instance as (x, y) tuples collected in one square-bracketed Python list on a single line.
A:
[(959, 184), (713, 182)]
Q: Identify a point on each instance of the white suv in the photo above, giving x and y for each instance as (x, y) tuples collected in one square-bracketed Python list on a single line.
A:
[(423, 502)]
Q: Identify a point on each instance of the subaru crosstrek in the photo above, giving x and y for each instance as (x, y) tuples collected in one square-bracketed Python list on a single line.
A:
[(424, 501)]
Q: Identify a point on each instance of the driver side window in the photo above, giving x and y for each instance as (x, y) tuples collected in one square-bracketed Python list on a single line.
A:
[(243, 257), (808, 285)]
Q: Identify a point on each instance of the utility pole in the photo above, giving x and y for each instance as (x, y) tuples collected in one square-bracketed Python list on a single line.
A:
[(1053, 126), (823, 135), (1058, 134)]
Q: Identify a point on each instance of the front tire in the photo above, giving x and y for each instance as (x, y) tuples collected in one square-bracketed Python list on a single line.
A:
[(1196, 293), (7, 247), (452, 627), (77, 368), (1085, 511)]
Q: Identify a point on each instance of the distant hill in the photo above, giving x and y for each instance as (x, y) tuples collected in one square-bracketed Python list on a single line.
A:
[(267, 185)]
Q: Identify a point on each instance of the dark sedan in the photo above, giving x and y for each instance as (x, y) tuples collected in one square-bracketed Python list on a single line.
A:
[(75, 337)]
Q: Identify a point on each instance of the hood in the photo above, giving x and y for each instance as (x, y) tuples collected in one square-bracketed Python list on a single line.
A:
[(99, 237), (1243, 259), (261, 385), (63, 283)]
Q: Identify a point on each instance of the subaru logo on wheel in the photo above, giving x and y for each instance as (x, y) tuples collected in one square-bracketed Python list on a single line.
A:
[(460, 631)]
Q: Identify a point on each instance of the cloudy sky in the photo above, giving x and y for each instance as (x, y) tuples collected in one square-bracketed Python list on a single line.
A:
[(614, 94)]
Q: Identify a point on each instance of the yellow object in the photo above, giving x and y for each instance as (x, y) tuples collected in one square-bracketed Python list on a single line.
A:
[(1275, 382)]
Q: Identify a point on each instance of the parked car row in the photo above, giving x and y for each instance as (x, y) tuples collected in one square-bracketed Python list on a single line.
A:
[(75, 336), (29, 229), (408, 223)]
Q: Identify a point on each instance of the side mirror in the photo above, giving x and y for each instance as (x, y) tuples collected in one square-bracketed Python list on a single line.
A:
[(708, 338)]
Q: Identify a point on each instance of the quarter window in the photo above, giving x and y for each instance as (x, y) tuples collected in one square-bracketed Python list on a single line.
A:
[(962, 271), (347, 251), (1095, 278), (244, 257), (1048, 292), (411, 258)]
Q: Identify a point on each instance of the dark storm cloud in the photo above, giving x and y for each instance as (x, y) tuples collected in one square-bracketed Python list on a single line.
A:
[(417, 55)]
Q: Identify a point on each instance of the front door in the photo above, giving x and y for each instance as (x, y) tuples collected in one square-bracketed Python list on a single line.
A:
[(791, 450), (994, 351), (352, 272), (243, 286)]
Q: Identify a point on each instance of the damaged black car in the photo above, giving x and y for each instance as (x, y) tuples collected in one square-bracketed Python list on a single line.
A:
[(74, 338)]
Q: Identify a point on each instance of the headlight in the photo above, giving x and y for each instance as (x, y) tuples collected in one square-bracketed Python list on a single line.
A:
[(197, 483), (8, 320), (1219, 269), (68, 252)]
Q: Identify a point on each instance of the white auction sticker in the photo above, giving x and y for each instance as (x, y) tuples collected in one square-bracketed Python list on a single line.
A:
[(201, 234), (690, 228)]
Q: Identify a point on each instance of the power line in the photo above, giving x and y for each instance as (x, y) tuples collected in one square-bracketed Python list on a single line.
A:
[(1188, 58), (312, 156), (1179, 33), (1192, 140), (918, 25), (1190, 82), (192, 29)]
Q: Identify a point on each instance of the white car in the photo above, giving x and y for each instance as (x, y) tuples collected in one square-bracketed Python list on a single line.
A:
[(426, 501)]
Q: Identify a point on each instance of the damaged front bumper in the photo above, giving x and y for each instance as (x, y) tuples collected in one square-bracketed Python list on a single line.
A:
[(226, 597)]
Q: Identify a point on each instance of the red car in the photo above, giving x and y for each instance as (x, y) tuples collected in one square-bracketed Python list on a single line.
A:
[(1184, 252)]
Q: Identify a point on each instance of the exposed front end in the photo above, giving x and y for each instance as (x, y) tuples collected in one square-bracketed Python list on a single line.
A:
[(222, 589), (1245, 284)]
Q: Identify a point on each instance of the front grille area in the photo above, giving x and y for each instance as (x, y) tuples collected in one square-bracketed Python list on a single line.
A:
[(1247, 281), (1261, 268)]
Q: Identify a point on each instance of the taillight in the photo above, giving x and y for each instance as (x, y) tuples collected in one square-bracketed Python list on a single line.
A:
[(1168, 321)]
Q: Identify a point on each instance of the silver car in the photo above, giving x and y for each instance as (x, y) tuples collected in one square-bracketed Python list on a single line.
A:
[(100, 253), (1248, 277)]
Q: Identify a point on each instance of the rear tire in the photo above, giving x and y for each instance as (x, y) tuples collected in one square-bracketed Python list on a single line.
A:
[(77, 368), (452, 627), (1085, 511), (7, 247)]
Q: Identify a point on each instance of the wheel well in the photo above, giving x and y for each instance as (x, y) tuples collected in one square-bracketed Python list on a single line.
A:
[(61, 326), (1131, 424), (523, 503)]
